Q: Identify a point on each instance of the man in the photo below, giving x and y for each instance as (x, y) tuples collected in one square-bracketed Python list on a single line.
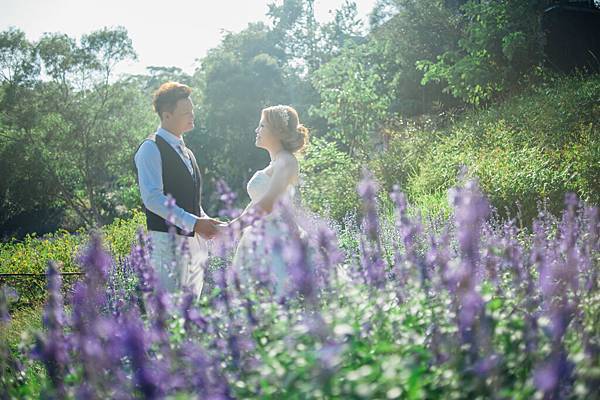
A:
[(166, 167)]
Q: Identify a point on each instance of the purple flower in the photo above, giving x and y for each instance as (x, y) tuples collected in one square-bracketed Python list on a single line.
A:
[(470, 209), (549, 376), (546, 377), (409, 231), (161, 307), (330, 255), (329, 355), (191, 314), (199, 365), (51, 347), (227, 197), (140, 263), (371, 252), (146, 374), (95, 261), (204, 374), (300, 269), (170, 204), (590, 247)]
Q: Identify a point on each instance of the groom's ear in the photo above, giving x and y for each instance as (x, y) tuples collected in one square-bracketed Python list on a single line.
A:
[(166, 98), (166, 114)]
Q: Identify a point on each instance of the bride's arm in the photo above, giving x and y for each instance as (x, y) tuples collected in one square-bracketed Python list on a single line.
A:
[(285, 169)]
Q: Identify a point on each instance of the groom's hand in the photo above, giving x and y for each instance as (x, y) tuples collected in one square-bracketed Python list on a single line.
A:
[(206, 227)]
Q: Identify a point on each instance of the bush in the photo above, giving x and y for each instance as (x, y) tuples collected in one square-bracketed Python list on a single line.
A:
[(328, 180), (32, 255), (407, 146), (533, 147)]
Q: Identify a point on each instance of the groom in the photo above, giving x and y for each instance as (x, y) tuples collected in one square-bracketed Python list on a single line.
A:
[(166, 166)]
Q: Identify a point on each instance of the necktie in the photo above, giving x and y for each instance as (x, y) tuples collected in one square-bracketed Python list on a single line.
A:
[(184, 153)]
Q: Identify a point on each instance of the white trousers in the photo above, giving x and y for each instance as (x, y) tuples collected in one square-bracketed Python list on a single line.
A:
[(176, 268)]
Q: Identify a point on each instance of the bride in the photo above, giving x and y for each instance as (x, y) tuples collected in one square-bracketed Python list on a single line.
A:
[(260, 249)]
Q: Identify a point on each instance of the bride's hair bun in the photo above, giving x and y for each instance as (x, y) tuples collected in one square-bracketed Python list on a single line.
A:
[(285, 121), (301, 139)]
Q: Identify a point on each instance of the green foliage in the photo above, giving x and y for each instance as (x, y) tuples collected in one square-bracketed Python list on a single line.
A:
[(377, 77), (500, 43), (237, 79), (81, 128), (531, 148), (15, 337), (407, 144), (375, 350), (534, 147), (17, 62), (352, 102), (32, 254), (306, 43), (121, 233), (328, 180), (413, 31)]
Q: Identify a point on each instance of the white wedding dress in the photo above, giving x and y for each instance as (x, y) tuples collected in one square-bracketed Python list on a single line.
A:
[(260, 253)]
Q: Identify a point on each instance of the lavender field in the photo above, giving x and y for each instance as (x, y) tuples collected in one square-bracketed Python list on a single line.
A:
[(442, 237), (391, 308)]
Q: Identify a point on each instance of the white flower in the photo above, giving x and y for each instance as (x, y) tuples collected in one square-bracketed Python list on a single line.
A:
[(283, 113)]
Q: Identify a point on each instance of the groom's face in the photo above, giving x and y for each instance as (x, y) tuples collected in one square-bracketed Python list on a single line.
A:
[(181, 120)]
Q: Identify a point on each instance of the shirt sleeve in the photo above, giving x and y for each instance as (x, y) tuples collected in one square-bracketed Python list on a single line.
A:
[(148, 163)]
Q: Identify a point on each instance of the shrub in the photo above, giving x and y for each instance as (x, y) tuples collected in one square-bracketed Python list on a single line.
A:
[(328, 180), (533, 147), (32, 255)]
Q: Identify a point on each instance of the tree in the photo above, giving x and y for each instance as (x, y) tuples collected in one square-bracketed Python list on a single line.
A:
[(306, 43), (236, 80), (352, 100), (501, 43), (409, 31), (84, 128), (22, 191), (362, 87), (156, 76)]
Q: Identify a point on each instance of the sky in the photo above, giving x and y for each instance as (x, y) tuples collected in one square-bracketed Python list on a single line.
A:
[(164, 33)]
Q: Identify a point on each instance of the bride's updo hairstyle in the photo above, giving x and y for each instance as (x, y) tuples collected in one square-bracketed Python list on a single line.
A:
[(285, 123)]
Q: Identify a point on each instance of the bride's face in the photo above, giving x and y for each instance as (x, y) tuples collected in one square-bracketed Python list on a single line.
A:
[(265, 138)]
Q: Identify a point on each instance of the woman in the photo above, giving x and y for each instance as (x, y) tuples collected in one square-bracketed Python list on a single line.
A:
[(260, 248)]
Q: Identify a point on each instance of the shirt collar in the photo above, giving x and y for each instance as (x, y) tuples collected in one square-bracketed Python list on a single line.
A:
[(169, 137)]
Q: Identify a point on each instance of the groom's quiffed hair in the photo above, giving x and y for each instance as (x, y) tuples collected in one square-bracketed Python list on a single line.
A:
[(167, 96)]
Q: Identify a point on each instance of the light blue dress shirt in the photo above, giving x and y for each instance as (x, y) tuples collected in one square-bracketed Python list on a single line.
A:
[(149, 166)]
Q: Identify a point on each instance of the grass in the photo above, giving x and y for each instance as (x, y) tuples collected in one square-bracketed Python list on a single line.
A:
[(33, 254), (23, 322), (532, 147), (18, 335)]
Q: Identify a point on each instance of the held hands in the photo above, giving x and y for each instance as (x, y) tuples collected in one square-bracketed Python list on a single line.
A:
[(208, 228)]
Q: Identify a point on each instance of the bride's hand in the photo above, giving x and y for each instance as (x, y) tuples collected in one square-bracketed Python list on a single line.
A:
[(223, 229), (206, 228)]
